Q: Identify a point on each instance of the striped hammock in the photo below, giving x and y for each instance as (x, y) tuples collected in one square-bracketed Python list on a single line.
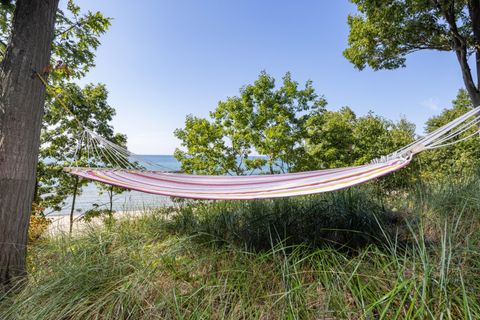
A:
[(239, 187), (129, 176)]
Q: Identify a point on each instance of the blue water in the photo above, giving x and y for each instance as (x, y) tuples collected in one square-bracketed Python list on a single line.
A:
[(165, 162), (126, 201)]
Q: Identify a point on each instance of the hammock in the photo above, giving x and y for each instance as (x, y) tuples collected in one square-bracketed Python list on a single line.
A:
[(128, 173)]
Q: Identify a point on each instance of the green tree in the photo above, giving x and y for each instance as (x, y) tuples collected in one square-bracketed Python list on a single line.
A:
[(457, 160), (383, 33), (62, 142), (76, 37), (375, 136), (329, 140), (21, 107), (264, 119), (292, 128), (31, 40), (341, 139)]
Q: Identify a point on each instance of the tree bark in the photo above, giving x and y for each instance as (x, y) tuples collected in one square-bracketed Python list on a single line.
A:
[(460, 45), (21, 110), (72, 210), (472, 90), (474, 12)]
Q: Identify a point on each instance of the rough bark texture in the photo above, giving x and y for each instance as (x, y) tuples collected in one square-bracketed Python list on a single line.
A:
[(21, 110)]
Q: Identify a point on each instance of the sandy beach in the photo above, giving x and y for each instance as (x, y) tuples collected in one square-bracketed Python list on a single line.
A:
[(61, 223)]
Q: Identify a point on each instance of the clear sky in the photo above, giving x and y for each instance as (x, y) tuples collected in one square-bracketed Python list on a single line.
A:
[(164, 59)]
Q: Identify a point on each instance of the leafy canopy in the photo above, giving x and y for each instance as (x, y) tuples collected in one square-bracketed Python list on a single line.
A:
[(341, 138), (62, 144), (264, 119), (290, 127), (77, 36), (383, 33)]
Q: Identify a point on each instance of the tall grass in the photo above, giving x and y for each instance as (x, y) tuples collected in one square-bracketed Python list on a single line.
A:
[(343, 255)]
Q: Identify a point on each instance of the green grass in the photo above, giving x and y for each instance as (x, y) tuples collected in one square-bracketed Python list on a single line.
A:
[(342, 255)]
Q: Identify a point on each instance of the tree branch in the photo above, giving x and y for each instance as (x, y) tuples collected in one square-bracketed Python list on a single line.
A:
[(77, 24), (447, 9)]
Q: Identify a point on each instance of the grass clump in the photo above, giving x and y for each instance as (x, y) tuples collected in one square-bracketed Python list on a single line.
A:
[(343, 255), (346, 219)]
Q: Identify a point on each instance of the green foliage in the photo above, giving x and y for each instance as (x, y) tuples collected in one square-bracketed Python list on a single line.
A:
[(383, 33), (290, 128), (376, 136), (263, 119), (37, 225), (75, 41), (346, 219), (62, 143), (341, 139), (96, 212), (76, 38), (6, 13), (329, 139), (207, 151), (463, 158)]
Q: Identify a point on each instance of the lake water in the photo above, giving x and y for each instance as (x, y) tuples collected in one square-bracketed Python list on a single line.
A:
[(126, 201)]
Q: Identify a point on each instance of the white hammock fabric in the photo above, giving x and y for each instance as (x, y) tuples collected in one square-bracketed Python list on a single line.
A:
[(128, 176)]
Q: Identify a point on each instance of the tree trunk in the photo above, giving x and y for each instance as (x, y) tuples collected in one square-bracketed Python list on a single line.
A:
[(72, 210), (460, 46), (472, 89), (110, 194), (21, 110)]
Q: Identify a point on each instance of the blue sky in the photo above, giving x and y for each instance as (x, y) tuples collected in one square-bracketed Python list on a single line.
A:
[(162, 60)]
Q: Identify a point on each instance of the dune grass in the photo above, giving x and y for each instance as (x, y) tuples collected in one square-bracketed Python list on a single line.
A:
[(342, 255)]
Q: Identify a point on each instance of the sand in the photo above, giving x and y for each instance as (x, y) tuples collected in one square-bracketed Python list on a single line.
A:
[(61, 223)]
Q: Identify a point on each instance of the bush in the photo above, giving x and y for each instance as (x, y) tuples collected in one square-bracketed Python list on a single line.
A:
[(346, 219), (38, 224)]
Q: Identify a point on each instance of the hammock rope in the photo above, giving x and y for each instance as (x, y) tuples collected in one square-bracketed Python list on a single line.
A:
[(118, 166)]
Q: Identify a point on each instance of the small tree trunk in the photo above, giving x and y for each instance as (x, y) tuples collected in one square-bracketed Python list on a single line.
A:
[(72, 210), (21, 110), (111, 200), (35, 192)]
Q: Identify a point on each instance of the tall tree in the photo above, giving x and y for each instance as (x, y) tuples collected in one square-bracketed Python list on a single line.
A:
[(264, 119), (62, 142), (28, 42), (383, 33), (21, 110)]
